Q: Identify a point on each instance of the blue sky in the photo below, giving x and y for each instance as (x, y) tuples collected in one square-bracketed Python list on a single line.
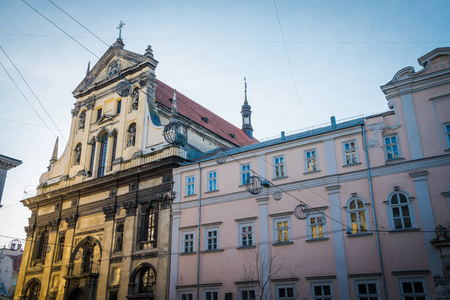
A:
[(335, 57)]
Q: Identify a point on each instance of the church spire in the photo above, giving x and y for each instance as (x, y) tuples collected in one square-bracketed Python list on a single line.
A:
[(54, 155), (119, 42), (246, 114)]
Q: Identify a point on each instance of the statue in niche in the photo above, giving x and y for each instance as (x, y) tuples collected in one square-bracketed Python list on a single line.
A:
[(135, 103), (82, 120), (77, 154), (132, 136), (113, 68)]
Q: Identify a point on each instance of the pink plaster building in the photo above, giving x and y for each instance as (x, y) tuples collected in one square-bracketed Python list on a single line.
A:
[(353, 209)]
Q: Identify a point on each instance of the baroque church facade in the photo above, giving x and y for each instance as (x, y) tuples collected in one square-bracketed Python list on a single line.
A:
[(100, 226)]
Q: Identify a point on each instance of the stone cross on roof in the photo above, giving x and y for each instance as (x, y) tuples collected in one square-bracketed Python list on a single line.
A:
[(121, 24)]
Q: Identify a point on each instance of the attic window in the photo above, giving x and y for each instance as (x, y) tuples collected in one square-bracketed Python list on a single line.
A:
[(205, 119), (232, 135)]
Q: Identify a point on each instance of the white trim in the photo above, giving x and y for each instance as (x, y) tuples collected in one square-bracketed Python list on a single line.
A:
[(355, 149), (183, 241), (446, 134), (216, 237), (313, 158), (275, 229), (281, 164), (396, 144), (241, 172), (412, 130), (209, 179), (411, 278), (412, 213), (252, 233), (210, 290), (320, 218), (366, 214), (286, 285), (367, 281), (314, 283), (251, 287), (187, 184)]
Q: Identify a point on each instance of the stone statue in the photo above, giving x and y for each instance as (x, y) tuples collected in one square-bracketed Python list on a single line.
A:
[(132, 138), (77, 154), (135, 103), (82, 120)]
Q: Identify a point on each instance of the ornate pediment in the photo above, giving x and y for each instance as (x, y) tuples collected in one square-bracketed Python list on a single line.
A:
[(105, 118)]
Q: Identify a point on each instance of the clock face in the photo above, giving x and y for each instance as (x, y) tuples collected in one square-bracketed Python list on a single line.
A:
[(300, 212), (123, 88)]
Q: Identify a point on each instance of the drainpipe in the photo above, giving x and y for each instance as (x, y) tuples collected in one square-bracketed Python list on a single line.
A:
[(369, 177), (199, 226)]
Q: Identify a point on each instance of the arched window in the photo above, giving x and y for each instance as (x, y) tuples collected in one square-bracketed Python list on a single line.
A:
[(401, 211), (87, 261), (33, 291), (149, 226), (119, 238), (102, 155), (146, 280), (357, 216), (114, 148), (43, 243), (91, 165), (131, 135)]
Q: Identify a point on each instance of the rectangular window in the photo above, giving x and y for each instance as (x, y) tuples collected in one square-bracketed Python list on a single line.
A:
[(188, 241), (279, 167), (99, 113), (212, 181), (367, 290), (285, 292), (61, 241), (247, 294), (119, 106), (282, 230), (212, 239), (310, 161), (190, 185), (413, 288), (447, 134), (321, 291), (211, 295), (187, 296), (245, 173), (391, 147), (350, 156), (246, 234), (316, 226)]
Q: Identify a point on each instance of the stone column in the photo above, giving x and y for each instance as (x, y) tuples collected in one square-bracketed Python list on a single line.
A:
[(338, 242)]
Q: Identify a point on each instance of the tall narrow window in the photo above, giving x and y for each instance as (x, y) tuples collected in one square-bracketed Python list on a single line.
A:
[(147, 279), (102, 155), (114, 148), (212, 239), (188, 242), (350, 153), (119, 106), (279, 167), (391, 147), (119, 238), (245, 173), (43, 243), (246, 234), (150, 226), (281, 230), (401, 212), (91, 165), (356, 212), (99, 113), (310, 161), (447, 134), (59, 254), (317, 226), (212, 181), (190, 185), (87, 261)]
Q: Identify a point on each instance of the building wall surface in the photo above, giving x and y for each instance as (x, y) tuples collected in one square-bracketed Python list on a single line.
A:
[(396, 187)]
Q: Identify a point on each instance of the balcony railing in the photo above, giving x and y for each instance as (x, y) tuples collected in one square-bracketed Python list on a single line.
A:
[(79, 269)]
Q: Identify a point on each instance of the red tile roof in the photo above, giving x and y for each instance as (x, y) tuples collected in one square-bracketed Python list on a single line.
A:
[(195, 112)]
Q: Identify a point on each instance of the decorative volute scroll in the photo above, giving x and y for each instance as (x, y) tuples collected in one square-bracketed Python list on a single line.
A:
[(377, 127), (392, 105)]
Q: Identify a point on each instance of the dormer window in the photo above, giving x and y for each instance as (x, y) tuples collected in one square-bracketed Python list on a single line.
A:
[(205, 119), (232, 135)]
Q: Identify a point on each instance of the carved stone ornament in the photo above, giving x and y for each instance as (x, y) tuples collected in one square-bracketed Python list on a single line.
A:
[(166, 199), (29, 230), (57, 206), (440, 286), (441, 232), (167, 178), (90, 104), (109, 212), (75, 111), (392, 105), (74, 202), (377, 127), (135, 95), (143, 79), (53, 224), (71, 220), (130, 207), (82, 120), (112, 193), (132, 187)]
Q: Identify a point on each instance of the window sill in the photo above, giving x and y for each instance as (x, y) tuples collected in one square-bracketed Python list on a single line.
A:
[(361, 234), (188, 253), (211, 251), (207, 192), (246, 247), (282, 243), (187, 196), (281, 177), (351, 165), (447, 150), (317, 240), (312, 172), (404, 230), (394, 160)]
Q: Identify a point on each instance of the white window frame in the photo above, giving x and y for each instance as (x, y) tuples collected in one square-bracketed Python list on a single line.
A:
[(212, 181), (190, 185), (279, 163), (207, 238), (247, 288), (320, 221), (241, 234), (181, 293), (446, 134), (312, 157), (285, 286), (245, 171), (391, 145), (356, 211), (184, 241), (350, 151), (412, 278), (313, 284), (276, 229), (210, 291), (391, 207), (367, 281)]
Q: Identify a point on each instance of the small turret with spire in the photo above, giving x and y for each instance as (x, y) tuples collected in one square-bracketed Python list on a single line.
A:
[(54, 155), (246, 115)]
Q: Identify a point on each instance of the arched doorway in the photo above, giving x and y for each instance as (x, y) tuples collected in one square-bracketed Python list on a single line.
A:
[(76, 294)]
